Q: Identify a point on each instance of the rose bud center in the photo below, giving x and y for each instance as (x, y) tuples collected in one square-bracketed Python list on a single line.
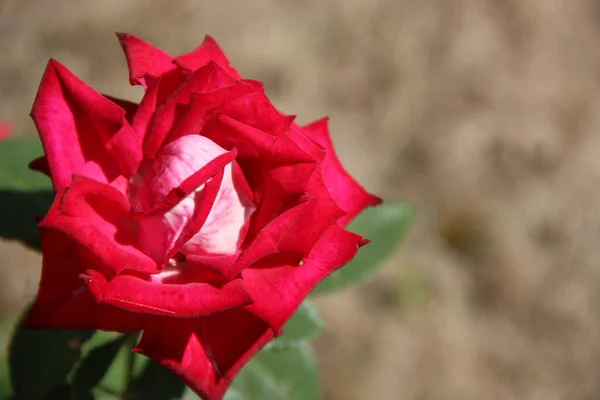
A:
[(164, 233)]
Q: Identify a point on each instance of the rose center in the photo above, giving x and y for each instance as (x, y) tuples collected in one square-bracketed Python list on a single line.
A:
[(172, 230)]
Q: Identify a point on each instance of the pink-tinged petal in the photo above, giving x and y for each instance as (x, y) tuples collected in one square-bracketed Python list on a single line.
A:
[(164, 234), (196, 220), (5, 130), (208, 352), (40, 164), (63, 300), (97, 216), (83, 132), (208, 51), (138, 295), (344, 189), (144, 59), (278, 290), (208, 78), (172, 167)]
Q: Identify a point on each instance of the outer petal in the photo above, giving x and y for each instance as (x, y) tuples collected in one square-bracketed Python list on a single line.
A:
[(97, 216), (207, 352), (209, 50), (82, 132), (137, 295), (344, 189), (144, 59), (278, 290), (63, 300)]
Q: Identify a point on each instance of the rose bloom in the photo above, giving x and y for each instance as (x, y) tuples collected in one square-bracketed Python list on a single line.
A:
[(201, 216)]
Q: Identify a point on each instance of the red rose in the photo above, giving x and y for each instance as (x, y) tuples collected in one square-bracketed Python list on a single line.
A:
[(202, 216)]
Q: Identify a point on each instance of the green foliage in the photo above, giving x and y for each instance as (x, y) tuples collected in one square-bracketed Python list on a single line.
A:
[(94, 366), (304, 325), (276, 374), (156, 382), (14, 174), (41, 360), (384, 226), (23, 193), (6, 326)]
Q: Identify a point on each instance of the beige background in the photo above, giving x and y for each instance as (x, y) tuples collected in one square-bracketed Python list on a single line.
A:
[(484, 114)]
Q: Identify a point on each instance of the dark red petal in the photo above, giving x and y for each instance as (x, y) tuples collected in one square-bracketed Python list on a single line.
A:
[(40, 164), (144, 59), (157, 91), (63, 300), (82, 132), (129, 107), (244, 101), (208, 352), (344, 189), (208, 78), (137, 295), (278, 290), (209, 50), (204, 106), (97, 216)]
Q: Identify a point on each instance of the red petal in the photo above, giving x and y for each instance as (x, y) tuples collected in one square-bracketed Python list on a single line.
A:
[(40, 164), (208, 78), (209, 50), (63, 300), (157, 91), (208, 352), (344, 189), (82, 132), (97, 216), (203, 106), (277, 291), (306, 143), (188, 300), (144, 59)]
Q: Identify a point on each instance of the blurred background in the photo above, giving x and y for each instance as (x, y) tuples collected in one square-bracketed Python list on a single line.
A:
[(483, 114)]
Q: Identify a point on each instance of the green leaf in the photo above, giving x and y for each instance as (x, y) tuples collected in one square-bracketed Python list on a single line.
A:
[(23, 193), (41, 360), (6, 326), (305, 324), (94, 366), (278, 374), (385, 226), (15, 155), (156, 382)]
